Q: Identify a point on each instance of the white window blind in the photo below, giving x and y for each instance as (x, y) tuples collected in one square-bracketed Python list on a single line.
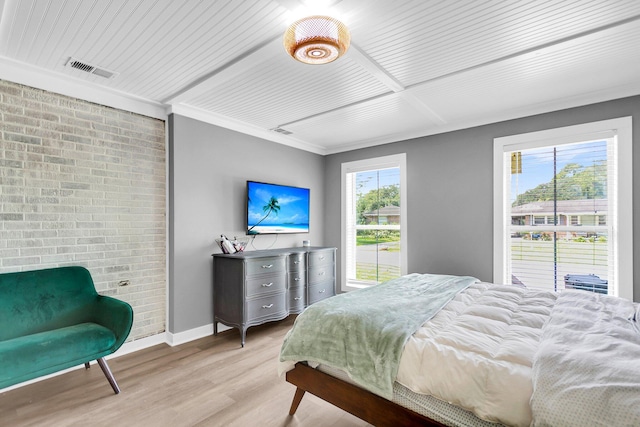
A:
[(567, 185), (563, 209), (373, 230)]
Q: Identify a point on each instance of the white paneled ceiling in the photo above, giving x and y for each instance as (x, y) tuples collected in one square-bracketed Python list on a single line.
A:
[(415, 67)]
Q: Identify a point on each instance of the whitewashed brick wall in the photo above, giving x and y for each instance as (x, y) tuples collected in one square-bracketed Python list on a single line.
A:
[(84, 184)]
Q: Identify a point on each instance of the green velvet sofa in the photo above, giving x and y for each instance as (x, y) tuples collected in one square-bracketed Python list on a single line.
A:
[(54, 319)]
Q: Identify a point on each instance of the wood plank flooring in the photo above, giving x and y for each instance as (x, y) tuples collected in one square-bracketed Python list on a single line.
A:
[(208, 382)]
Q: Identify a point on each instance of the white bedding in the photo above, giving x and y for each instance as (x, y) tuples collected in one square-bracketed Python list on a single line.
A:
[(587, 368), (490, 346), (477, 352)]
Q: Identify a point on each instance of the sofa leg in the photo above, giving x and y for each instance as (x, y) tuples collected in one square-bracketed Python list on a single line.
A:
[(86, 365), (108, 374)]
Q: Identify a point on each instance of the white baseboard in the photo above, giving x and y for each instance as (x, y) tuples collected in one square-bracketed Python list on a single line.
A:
[(142, 343), (193, 334)]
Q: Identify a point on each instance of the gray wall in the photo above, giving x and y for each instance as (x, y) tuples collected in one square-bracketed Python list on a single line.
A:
[(450, 189), (208, 170), (450, 197)]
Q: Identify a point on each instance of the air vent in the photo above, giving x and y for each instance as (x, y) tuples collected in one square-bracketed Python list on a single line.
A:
[(282, 131), (91, 69)]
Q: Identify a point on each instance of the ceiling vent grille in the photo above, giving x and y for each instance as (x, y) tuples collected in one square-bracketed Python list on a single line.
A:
[(91, 69), (282, 131)]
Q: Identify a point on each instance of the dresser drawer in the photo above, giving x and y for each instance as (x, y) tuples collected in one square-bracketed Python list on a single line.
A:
[(266, 284), (297, 262), (272, 305), (297, 278), (320, 273), (265, 266), (318, 258), (297, 299), (320, 291)]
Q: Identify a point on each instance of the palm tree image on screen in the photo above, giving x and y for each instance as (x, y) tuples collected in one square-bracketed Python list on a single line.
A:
[(272, 206)]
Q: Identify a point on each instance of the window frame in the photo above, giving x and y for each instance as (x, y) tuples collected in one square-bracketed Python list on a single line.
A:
[(539, 220), (621, 202), (602, 220), (376, 163)]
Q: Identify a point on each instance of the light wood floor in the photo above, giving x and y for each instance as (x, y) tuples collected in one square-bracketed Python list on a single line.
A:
[(208, 382)]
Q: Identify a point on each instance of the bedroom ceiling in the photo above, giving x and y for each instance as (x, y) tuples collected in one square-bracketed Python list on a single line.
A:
[(414, 67)]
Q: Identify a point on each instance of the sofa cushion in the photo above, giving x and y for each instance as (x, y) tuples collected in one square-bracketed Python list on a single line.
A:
[(39, 354), (43, 300)]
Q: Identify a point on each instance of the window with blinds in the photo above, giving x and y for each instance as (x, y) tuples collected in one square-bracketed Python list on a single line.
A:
[(373, 221), (557, 196), (565, 209)]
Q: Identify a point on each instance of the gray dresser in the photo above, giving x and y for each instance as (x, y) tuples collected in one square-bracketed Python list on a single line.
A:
[(254, 287)]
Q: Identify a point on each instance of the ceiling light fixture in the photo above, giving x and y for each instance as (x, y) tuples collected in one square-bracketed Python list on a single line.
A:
[(317, 39)]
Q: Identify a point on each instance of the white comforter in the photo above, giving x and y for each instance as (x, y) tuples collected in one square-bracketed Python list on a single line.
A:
[(524, 357), (477, 352), (587, 368)]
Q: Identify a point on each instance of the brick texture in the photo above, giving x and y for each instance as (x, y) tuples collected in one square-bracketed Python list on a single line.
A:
[(84, 184)]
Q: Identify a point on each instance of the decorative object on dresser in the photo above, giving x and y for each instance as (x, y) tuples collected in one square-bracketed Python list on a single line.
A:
[(232, 246), (251, 288)]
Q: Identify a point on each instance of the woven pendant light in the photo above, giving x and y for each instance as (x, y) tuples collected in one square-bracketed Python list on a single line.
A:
[(317, 39)]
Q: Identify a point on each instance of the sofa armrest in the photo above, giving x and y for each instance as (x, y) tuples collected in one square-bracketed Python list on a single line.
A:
[(116, 315)]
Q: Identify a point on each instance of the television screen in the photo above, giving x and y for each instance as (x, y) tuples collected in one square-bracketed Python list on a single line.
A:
[(276, 209)]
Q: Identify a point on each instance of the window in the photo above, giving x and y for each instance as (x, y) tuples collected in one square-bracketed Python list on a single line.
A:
[(579, 179), (602, 220), (373, 221)]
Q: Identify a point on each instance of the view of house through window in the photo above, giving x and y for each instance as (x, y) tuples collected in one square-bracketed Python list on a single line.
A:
[(373, 219), (558, 197), (377, 201), (563, 211)]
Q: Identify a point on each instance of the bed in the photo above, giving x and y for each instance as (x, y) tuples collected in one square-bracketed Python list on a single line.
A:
[(450, 350)]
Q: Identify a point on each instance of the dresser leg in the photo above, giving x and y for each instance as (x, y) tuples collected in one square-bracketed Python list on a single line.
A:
[(215, 328), (243, 333)]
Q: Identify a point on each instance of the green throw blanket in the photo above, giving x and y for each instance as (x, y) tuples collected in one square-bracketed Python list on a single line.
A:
[(363, 332)]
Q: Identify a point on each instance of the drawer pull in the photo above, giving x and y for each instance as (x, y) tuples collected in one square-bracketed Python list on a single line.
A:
[(267, 266), (321, 257), (266, 285), (297, 279), (296, 262), (267, 306), (321, 291), (297, 298), (321, 273)]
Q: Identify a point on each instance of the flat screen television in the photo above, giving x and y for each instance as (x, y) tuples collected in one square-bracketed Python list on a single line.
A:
[(276, 209)]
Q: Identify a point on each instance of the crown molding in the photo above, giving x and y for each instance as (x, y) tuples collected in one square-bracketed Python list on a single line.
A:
[(242, 127), (39, 78)]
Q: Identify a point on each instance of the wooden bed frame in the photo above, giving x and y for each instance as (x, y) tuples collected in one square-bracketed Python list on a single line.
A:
[(355, 400)]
